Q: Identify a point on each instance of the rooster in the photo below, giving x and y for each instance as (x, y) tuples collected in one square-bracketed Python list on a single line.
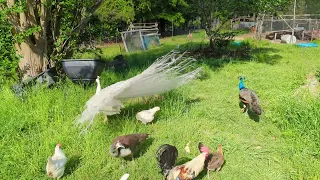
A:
[(249, 98), (56, 164), (123, 146), (147, 116), (167, 155), (166, 73)]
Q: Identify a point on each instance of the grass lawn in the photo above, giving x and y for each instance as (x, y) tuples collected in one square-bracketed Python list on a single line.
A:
[(282, 144)]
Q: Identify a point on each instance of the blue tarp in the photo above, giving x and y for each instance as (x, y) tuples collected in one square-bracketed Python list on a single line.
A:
[(307, 45)]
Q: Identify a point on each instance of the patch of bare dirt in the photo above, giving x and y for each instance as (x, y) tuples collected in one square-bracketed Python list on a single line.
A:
[(312, 85), (263, 36), (244, 36)]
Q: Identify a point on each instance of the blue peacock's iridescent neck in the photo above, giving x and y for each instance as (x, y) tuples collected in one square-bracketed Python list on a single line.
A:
[(241, 84)]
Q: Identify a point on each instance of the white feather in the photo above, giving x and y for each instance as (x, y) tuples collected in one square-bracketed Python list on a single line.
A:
[(125, 176), (166, 73)]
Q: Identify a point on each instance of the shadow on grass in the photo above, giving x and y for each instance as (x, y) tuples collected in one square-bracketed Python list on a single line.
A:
[(143, 148), (182, 160), (258, 54), (164, 101), (201, 51), (72, 164), (189, 103), (143, 59), (251, 114)]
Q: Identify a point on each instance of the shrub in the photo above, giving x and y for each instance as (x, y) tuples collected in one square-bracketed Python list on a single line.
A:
[(8, 57)]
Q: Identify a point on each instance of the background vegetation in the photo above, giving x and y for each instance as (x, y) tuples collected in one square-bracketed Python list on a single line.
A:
[(281, 144)]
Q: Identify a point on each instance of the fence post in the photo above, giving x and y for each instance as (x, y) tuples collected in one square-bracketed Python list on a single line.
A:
[(309, 24), (271, 23)]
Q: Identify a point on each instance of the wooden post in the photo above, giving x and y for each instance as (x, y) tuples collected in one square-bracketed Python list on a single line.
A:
[(172, 31), (271, 23), (309, 22), (124, 42)]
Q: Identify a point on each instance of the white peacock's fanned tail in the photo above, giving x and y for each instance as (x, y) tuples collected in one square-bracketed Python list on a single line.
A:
[(166, 73)]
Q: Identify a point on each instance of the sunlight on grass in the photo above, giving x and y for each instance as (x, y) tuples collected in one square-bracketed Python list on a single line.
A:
[(284, 144)]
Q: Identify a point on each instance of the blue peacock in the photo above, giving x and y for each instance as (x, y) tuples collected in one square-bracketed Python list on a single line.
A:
[(249, 98)]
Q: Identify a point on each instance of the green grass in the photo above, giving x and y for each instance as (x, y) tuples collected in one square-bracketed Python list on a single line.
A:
[(284, 144)]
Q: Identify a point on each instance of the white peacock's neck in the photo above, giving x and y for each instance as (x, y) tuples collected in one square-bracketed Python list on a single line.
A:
[(98, 87)]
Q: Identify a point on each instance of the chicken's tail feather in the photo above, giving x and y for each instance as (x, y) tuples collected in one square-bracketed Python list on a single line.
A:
[(166, 156), (142, 137)]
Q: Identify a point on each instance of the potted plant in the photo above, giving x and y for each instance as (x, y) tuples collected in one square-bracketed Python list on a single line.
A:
[(85, 68)]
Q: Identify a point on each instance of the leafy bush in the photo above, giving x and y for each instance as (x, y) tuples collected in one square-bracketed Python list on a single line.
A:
[(8, 57)]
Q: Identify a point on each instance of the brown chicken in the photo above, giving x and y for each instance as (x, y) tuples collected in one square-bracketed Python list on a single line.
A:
[(215, 161), (167, 155), (123, 146)]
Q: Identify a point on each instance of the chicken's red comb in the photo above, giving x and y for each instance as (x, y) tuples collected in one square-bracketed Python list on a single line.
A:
[(59, 144), (204, 149)]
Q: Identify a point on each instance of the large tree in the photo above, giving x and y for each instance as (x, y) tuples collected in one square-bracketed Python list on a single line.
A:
[(45, 30)]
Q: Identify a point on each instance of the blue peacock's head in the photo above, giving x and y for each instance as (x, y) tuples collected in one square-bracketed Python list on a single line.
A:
[(241, 84)]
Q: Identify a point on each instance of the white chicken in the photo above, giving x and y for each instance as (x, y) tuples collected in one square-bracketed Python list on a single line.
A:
[(56, 164), (147, 116), (166, 73)]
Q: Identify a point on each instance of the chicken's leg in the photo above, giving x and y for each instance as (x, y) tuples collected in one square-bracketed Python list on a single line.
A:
[(132, 158), (105, 119), (243, 109), (122, 164), (208, 173)]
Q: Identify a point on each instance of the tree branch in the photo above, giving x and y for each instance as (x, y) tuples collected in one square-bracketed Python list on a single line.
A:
[(56, 22), (13, 18), (31, 16), (80, 25), (86, 19)]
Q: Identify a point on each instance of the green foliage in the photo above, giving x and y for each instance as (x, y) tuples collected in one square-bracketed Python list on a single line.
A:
[(116, 11), (111, 15), (72, 24), (8, 57), (170, 10)]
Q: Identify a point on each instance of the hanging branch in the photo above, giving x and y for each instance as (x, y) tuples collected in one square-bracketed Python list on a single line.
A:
[(80, 25)]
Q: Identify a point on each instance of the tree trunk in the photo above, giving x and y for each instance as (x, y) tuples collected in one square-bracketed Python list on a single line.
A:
[(162, 25), (38, 44), (33, 59)]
